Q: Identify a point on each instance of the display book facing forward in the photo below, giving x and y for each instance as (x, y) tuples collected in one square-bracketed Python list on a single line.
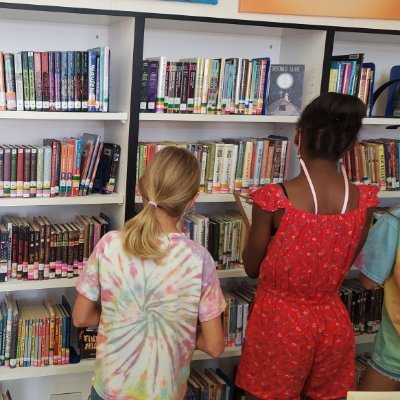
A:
[(38, 249), (71, 167), (231, 165), (55, 80), (219, 86)]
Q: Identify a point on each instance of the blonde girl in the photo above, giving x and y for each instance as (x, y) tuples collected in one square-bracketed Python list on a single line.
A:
[(147, 287)]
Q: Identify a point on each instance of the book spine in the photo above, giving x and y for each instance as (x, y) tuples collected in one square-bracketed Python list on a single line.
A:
[(205, 86), (77, 167), (10, 82), (166, 86), (218, 165), (143, 91), (70, 167), (3, 104), (47, 250), (98, 82), (1, 171), (39, 173), (31, 71), (38, 81), (191, 88), (152, 83), (52, 81), (47, 171), (19, 82), (46, 80), (20, 171), (248, 152), (71, 80), (178, 87), (106, 80), (57, 80), (25, 77), (162, 71), (85, 70), (96, 164), (110, 186), (185, 86), (92, 71), (27, 172), (33, 185), (78, 81), (57, 149), (64, 81), (7, 172), (13, 172), (63, 170)]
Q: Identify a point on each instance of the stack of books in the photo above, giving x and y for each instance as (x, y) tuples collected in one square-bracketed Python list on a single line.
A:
[(374, 162), (38, 249), (232, 165), (55, 80), (72, 167), (209, 384), (349, 75), (34, 335), (221, 235), (364, 306), (205, 86)]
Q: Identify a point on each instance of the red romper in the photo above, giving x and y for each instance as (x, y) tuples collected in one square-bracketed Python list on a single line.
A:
[(299, 337)]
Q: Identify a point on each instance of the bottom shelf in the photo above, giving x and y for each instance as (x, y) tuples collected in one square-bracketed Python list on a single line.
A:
[(7, 374)]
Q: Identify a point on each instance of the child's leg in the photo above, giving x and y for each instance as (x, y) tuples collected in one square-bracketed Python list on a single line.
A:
[(374, 381)]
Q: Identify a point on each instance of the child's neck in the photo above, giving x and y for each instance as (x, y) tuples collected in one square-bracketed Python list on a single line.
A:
[(167, 223)]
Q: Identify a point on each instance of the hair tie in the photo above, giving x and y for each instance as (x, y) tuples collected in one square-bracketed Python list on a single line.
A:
[(153, 203)]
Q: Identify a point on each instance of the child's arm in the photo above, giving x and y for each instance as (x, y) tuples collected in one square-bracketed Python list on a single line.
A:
[(257, 244), (364, 233), (86, 312), (210, 338), (378, 255)]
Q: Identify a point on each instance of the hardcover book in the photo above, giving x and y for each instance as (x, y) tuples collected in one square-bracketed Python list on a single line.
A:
[(286, 89)]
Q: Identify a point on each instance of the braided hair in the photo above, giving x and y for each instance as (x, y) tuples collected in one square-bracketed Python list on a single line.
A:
[(329, 125)]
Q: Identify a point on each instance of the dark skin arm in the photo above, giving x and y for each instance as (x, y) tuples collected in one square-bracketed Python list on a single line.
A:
[(258, 240)]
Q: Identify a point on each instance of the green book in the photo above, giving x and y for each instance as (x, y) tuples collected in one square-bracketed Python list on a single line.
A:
[(31, 72)]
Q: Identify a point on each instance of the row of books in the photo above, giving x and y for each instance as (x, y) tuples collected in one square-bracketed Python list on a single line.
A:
[(374, 162), (37, 249), (221, 235), (349, 75), (232, 165), (217, 86), (209, 384), (73, 167), (55, 80), (364, 306), (34, 335)]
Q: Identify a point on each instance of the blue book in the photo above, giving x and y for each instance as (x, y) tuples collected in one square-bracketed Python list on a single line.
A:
[(92, 67), (64, 81), (57, 80)]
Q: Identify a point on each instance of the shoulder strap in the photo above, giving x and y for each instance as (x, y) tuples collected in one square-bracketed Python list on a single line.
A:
[(284, 189)]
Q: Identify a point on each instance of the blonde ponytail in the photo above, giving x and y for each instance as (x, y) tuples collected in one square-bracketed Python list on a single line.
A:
[(170, 182)]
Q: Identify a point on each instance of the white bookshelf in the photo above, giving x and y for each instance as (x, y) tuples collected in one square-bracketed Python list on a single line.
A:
[(92, 199), (64, 116), (218, 118), (8, 374), (16, 285)]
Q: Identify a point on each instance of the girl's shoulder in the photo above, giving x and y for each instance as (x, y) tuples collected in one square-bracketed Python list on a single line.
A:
[(270, 198), (368, 196)]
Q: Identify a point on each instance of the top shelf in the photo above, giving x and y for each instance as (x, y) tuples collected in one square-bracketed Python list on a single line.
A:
[(64, 116), (247, 118)]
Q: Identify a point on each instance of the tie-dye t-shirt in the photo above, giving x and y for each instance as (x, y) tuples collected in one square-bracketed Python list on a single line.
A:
[(147, 329)]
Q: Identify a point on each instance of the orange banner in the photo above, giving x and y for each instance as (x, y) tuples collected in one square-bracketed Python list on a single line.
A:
[(373, 9)]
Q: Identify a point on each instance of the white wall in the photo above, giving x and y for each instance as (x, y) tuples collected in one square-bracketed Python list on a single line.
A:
[(225, 9)]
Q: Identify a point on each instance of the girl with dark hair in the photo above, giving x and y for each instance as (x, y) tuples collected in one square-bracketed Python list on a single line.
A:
[(299, 337)]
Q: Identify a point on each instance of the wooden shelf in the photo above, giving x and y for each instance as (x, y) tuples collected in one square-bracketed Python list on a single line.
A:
[(218, 118), (64, 116), (92, 199), (8, 374), (205, 198)]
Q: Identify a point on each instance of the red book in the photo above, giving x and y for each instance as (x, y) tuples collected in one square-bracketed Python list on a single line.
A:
[(45, 81)]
